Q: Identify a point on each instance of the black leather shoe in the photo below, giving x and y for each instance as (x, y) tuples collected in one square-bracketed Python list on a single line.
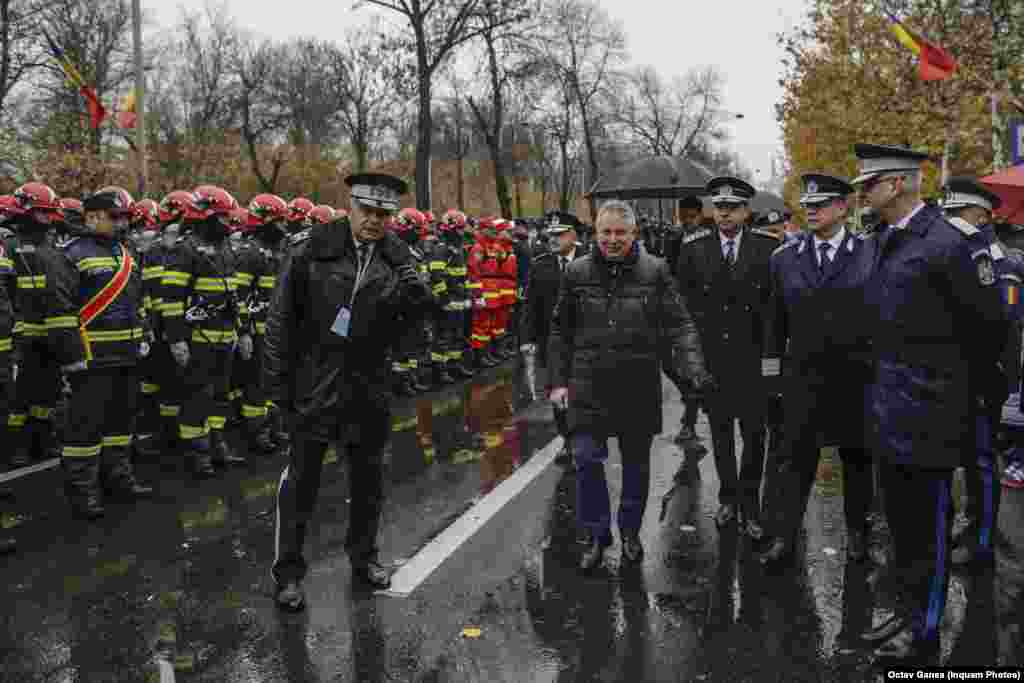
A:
[(564, 457), (8, 546), (632, 550), (856, 546), (594, 553), (373, 575), (223, 455), (202, 468), (902, 650), (778, 556), (290, 597), (887, 630), (726, 514)]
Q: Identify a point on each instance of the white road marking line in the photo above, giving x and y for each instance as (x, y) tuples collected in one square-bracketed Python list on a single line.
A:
[(166, 671), (30, 469), (419, 568)]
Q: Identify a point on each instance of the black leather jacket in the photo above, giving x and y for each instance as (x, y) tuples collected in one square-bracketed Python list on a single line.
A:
[(610, 323), (309, 369)]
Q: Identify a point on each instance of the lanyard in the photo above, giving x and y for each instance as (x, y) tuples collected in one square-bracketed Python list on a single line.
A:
[(361, 269)]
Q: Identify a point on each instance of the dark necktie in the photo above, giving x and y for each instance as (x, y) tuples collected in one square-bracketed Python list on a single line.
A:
[(823, 261), (730, 256), (561, 263), (364, 254)]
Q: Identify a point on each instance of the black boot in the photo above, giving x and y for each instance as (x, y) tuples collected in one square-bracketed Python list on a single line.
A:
[(7, 546), (459, 369), (478, 360), (442, 376), (423, 379), (403, 385), (82, 486), (594, 553), (632, 549), (262, 440), (20, 458), (119, 475), (490, 358), (222, 454)]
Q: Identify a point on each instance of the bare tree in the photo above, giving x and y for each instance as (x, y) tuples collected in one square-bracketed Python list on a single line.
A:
[(671, 118), (20, 43), (366, 71), (261, 118), (455, 130), (588, 48), (306, 87), (438, 28), (208, 44)]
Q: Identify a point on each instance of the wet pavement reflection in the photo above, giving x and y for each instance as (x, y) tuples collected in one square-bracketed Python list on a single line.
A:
[(183, 579)]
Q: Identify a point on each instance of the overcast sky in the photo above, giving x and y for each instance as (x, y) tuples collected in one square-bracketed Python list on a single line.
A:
[(672, 36)]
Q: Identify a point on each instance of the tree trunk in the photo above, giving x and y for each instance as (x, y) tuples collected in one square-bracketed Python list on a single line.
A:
[(5, 48), (518, 182), (424, 139), (563, 200), (461, 191)]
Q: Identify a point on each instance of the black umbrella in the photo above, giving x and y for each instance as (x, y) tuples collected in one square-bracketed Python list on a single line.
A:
[(667, 176)]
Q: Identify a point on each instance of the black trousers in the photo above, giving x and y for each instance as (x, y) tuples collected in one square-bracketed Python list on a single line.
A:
[(740, 487), (299, 488), (204, 400), (920, 513), (101, 412), (35, 395)]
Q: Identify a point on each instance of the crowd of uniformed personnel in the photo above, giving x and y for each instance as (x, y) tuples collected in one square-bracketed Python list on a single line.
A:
[(122, 319)]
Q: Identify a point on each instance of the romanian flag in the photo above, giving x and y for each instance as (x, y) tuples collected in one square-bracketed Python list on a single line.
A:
[(96, 111), (1012, 295), (127, 117), (935, 64)]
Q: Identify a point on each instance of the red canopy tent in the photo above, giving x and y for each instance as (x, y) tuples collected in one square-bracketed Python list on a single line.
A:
[(1009, 185)]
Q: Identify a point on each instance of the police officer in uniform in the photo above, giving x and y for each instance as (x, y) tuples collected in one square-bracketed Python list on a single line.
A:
[(724, 277), (201, 319), (970, 205), (818, 292), (931, 298), (103, 277), (546, 273), (344, 294)]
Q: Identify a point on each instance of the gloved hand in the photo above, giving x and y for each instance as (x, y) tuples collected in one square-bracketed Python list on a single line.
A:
[(72, 368), (245, 346), (408, 276), (179, 350), (144, 349)]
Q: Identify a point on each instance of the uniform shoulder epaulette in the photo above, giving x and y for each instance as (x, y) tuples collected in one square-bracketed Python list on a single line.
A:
[(963, 226), (546, 254), (692, 237), (65, 243), (766, 233), (300, 237), (784, 246), (866, 234)]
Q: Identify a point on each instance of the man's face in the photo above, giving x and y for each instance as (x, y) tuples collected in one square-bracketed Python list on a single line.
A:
[(614, 236), (822, 217), (566, 242), (731, 216), (975, 215), (879, 191), (690, 216), (369, 224)]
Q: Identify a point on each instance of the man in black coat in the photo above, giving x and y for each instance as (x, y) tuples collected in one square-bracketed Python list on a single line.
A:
[(546, 277), (818, 286), (616, 308), (345, 293), (724, 277)]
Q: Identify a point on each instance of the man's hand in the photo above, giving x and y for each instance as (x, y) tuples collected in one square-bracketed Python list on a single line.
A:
[(408, 276), (245, 346), (528, 349), (144, 349), (179, 351), (559, 396)]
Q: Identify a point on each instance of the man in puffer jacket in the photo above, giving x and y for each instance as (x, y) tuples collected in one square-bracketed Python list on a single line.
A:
[(616, 308)]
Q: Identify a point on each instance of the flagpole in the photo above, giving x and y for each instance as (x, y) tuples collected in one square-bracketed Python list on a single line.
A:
[(140, 99)]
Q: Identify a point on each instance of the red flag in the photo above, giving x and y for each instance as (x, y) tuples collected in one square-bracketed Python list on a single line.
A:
[(96, 110), (934, 63)]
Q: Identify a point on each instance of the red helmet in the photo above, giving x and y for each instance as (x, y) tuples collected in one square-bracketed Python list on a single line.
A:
[(238, 219), (32, 196), (340, 213), (177, 206), (71, 208), (489, 227), (147, 212), (321, 214), (429, 216), (112, 199), (504, 229), (409, 219), (453, 219), (213, 201), (9, 206), (298, 210), (267, 208)]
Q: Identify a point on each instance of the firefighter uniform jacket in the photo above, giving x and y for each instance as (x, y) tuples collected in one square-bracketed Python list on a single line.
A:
[(200, 294), (91, 268), (435, 259), (507, 272), (258, 265), (44, 303), (8, 288), (449, 262)]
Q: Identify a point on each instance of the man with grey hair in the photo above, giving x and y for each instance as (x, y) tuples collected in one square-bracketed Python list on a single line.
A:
[(931, 298), (616, 307)]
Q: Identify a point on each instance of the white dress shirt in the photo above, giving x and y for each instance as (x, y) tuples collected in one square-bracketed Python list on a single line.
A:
[(735, 244), (905, 221)]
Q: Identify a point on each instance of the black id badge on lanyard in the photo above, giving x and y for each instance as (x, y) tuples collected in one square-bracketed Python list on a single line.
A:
[(342, 324)]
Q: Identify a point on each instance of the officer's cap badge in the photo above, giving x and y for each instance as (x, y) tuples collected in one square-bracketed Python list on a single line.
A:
[(812, 187)]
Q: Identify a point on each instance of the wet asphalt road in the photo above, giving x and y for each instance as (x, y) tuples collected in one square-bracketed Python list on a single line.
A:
[(184, 579)]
